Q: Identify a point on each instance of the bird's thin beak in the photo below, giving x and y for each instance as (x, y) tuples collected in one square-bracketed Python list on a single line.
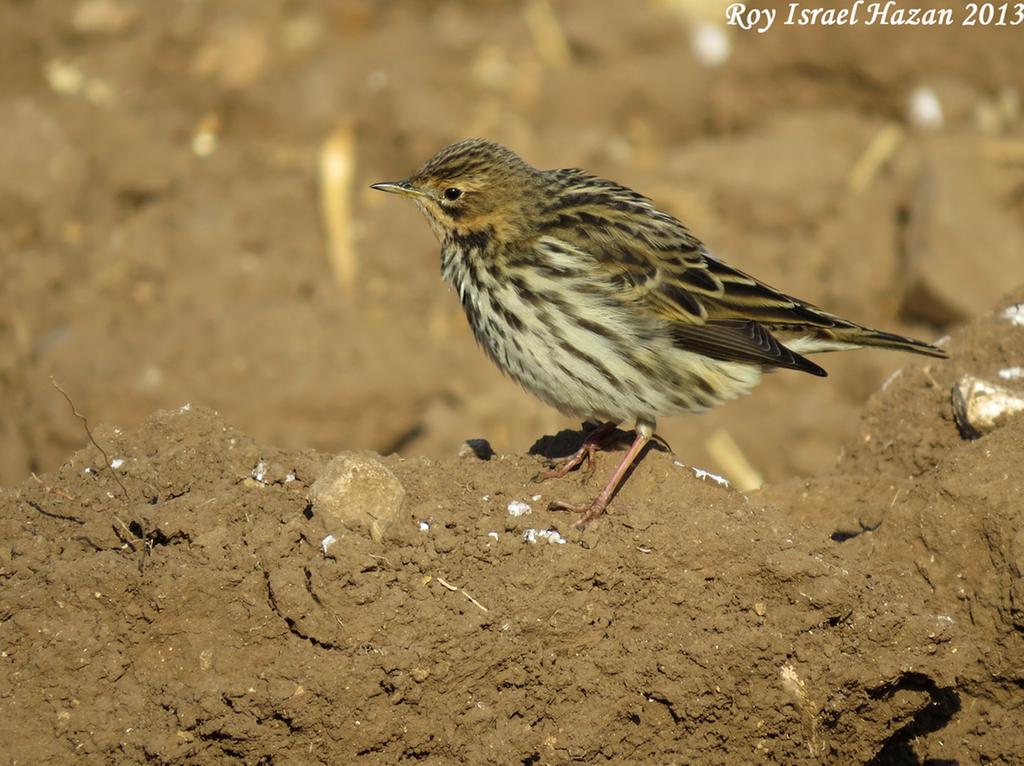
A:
[(397, 187)]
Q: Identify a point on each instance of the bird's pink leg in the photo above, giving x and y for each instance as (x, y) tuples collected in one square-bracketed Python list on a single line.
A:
[(644, 432), (591, 444)]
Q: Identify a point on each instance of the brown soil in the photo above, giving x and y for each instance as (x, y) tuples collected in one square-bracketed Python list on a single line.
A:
[(186, 607), (187, 612)]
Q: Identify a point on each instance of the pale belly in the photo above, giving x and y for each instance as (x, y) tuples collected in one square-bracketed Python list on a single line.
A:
[(595, 360)]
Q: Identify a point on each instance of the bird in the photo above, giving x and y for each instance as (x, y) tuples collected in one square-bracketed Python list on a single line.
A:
[(603, 305)]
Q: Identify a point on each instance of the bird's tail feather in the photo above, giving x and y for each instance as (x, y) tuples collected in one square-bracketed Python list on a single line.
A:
[(840, 339), (880, 339)]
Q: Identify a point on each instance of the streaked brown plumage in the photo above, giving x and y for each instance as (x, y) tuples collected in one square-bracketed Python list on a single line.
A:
[(604, 306)]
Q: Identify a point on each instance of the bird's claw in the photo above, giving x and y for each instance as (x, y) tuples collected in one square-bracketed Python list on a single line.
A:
[(587, 512), (562, 467)]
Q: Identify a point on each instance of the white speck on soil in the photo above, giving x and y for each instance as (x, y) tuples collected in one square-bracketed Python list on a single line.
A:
[(710, 44), (1012, 373), (117, 462), (891, 378), (259, 473), (424, 526), (550, 535), (1015, 314), (925, 109), (519, 508), (327, 542), (703, 475)]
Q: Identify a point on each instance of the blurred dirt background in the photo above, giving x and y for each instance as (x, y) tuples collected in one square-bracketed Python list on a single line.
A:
[(185, 218)]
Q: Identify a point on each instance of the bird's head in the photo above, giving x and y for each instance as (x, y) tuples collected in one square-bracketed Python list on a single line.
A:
[(474, 186)]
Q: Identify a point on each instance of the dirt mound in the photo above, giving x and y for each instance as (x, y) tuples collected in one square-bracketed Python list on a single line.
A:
[(192, 604)]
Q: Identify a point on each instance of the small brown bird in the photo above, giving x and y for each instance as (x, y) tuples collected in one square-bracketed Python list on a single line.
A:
[(602, 305)]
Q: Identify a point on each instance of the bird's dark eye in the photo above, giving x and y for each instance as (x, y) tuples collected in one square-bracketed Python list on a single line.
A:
[(451, 193)]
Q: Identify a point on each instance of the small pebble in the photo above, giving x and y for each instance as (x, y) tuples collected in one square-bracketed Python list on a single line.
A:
[(1015, 314), (925, 109), (980, 406), (550, 535), (519, 508), (419, 675), (478, 448), (710, 44)]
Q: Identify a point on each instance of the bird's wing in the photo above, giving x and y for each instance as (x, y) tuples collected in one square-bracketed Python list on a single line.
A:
[(657, 266)]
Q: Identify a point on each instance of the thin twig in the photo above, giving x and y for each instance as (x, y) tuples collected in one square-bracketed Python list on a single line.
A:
[(451, 587), (52, 515), (475, 602), (146, 543), (88, 432), (130, 536), (447, 584)]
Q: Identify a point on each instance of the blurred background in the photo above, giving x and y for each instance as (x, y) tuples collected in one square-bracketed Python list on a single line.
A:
[(184, 211)]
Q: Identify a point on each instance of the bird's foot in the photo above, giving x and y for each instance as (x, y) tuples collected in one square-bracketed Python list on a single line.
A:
[(590, 512), (563, 466), (587, 512)]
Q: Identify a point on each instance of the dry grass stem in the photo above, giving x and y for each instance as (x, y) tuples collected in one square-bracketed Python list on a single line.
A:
[(337, 174), (548, 37), (1006, 151), (885, 143), (732, 462), (451, 587)]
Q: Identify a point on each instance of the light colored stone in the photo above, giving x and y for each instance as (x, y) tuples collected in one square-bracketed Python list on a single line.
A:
[(357, 492), (980, 406)]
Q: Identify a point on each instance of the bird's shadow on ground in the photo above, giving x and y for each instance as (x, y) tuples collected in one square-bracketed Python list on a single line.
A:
[(566, 442)]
